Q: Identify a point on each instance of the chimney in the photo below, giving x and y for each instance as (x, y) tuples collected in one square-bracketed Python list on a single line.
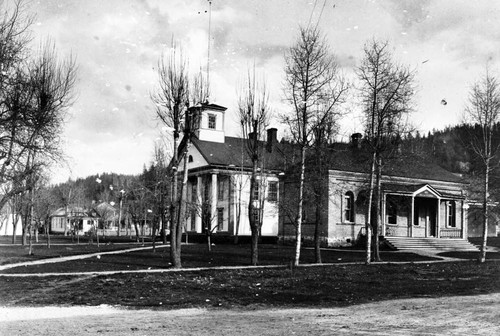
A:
[(356, 140), (272, 139)]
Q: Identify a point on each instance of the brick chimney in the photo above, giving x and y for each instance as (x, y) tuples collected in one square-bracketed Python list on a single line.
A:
[(272, 139), (356, 140)]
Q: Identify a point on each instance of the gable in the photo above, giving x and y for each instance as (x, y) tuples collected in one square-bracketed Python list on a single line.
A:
[(426, 193), (198, 159)]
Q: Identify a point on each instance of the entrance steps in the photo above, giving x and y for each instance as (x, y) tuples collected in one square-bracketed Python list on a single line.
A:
[(443, 244)]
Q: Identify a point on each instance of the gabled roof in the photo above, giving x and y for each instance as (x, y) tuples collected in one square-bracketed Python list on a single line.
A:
[(410, 165), (233, 152), (341, 156), (73, 211), (210, 106)]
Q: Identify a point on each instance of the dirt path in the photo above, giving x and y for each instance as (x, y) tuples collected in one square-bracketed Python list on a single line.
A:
[(467, 315)]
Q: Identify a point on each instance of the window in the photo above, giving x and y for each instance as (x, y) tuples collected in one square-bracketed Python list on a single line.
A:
[(222, 187), (193, 220), (212, 119), (450, 213), (194, 193), (349, 207), (220, 218), (392, 212), (272, 194), (190, 158)]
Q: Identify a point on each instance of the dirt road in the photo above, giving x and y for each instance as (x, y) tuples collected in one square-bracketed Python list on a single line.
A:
[(468, 315)]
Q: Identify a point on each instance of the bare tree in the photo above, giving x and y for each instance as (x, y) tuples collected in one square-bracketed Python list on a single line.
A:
[(171, 100), (254, 114), (162, 184), (35, 90), (483, 111), (386, 89), (312, 79)]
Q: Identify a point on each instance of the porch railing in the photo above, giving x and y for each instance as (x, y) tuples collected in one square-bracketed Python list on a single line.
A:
[(451, 233)]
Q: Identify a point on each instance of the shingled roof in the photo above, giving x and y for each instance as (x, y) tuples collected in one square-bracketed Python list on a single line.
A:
[(234, 152), (341, 156), (411, 165)]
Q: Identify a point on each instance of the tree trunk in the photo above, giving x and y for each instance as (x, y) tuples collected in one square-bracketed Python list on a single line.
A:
[(482, 252), (47, 232), (163, 221), (153, 236), (119, 217), (176, 236), (368, 224), (238, 211), (25, 228), (30, 250), (298, 223), (317, 234), (136, 227), (378, 211), (15, 219), (175, 258), (318, 192), (254, 245)]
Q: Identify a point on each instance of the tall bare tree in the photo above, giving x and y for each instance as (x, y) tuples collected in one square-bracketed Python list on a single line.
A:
[(483, 111), (386, 89), (35, 91), (173, 100), (311, 80), (254, 114)]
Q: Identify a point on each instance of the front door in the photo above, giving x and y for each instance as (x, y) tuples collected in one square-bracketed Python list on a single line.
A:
[(425, 217)]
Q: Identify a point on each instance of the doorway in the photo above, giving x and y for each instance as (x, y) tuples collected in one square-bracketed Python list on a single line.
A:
[(425, 217)]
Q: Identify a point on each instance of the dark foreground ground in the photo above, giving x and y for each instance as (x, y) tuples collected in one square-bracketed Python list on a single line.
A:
[(315, 286), (421, 296), (347, 282)]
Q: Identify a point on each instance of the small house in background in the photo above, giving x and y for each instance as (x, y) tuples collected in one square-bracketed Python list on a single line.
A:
[(108, 216), (7, 224), (73, 219)]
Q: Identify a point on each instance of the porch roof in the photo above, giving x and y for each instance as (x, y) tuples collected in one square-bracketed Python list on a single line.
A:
[(423, 190)]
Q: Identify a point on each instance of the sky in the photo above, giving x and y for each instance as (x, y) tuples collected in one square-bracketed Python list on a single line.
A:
[(112, 127)]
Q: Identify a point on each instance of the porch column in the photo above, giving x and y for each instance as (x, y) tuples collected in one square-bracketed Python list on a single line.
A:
[(464, 223), (438, 220), (412, 217), (213, 209), (384, 205), (199, 204)]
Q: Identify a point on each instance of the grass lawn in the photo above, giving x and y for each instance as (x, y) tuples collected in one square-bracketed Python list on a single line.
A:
[(325, 286), (60, 246), (195, 255), (319, 286)]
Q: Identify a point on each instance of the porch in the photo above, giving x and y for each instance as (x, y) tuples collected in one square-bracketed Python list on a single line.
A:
[(421, 211)]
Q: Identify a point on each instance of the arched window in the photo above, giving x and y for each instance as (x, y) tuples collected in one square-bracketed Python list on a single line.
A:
[(190, 158), (451, 214), (348, 207)]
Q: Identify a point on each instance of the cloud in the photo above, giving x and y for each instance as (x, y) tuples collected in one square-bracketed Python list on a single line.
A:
[(118, 43)]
